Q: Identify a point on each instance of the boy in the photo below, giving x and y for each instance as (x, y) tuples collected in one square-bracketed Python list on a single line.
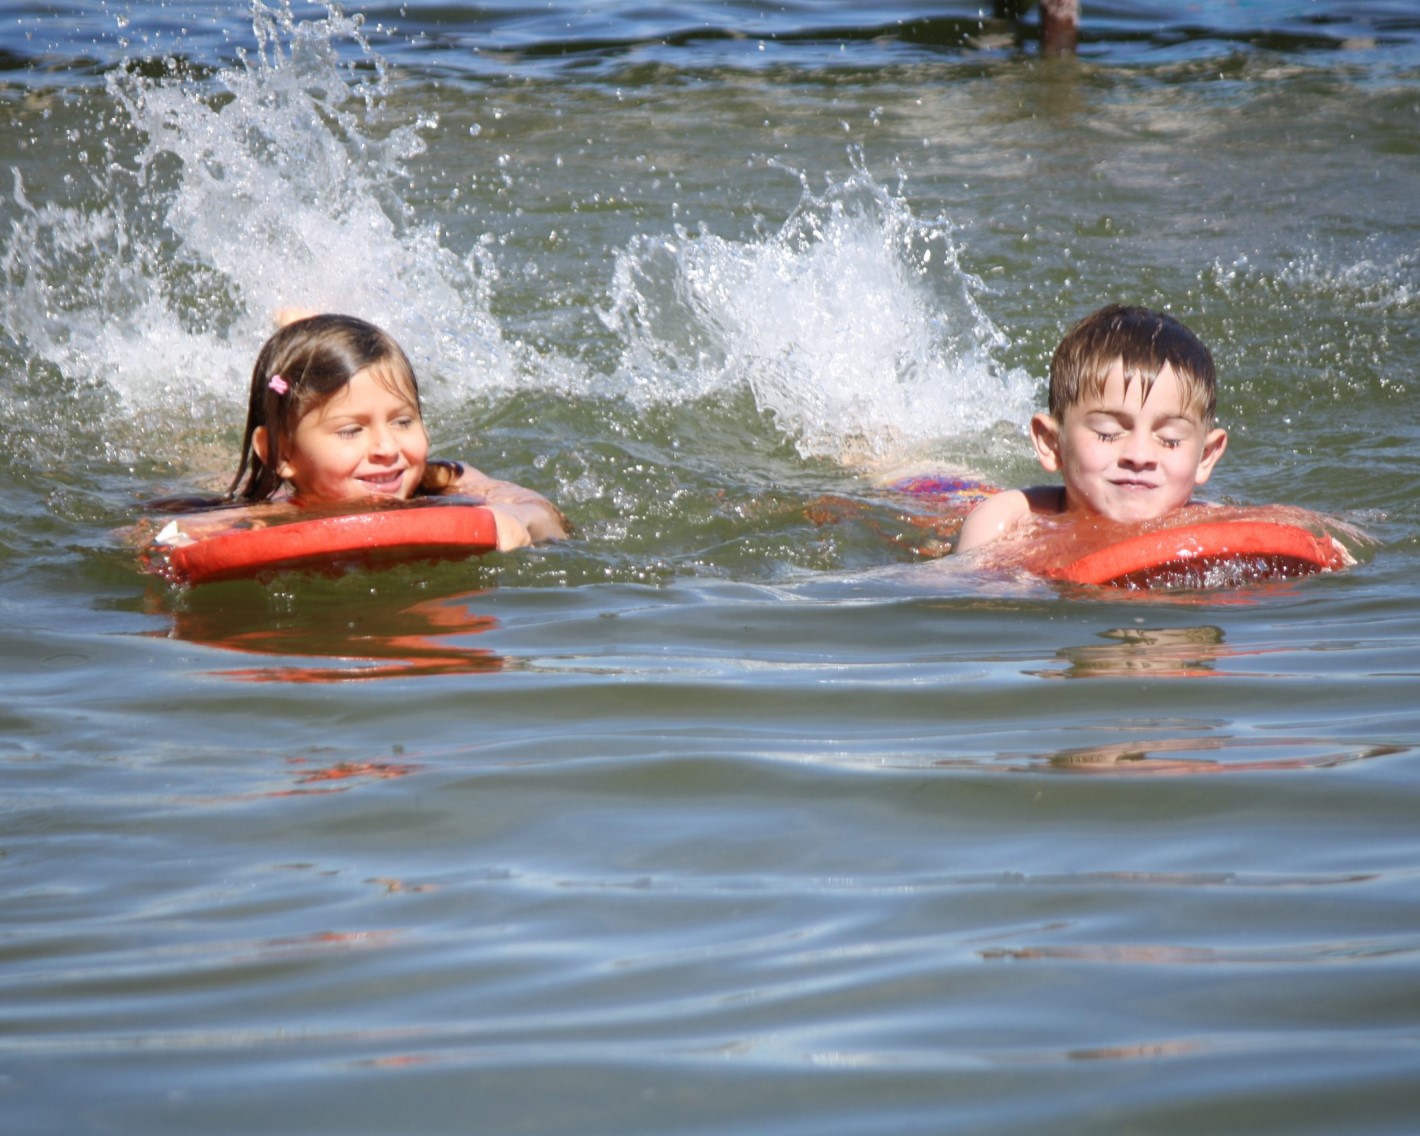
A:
[(1130, 426)]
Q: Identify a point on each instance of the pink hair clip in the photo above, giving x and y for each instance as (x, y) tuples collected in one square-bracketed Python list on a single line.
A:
[(278, 384)]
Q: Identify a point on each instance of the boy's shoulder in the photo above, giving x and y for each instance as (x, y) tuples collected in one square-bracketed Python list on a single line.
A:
[(1046, 500), (1002, 512)]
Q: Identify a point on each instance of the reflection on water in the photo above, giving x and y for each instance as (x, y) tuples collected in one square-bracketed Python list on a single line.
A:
[(1160, 652), (1169, 744), (373, 638), (1171, 955), (325, 775), (1174, 755)]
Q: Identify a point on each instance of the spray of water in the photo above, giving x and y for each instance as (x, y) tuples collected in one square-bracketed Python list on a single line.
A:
[(855, 326), (221, 199), (279, 180)]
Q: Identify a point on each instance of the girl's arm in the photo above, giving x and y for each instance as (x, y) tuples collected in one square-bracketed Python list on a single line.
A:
[(523, 515), (190, 527)]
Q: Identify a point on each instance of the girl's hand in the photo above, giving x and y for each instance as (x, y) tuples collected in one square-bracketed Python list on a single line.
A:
[(283, 316), (512, 533), (537, 517)]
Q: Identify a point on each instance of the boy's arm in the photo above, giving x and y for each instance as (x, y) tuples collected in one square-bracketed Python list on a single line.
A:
[(995, 516)]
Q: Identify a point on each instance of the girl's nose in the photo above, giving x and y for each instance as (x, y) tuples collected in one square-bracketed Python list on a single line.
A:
[(382, 441)]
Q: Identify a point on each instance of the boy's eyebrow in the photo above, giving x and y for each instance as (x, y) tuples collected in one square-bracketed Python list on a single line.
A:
[(1120, 414)]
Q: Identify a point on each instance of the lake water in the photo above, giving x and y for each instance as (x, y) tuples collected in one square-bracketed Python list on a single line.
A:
[(740, 811)]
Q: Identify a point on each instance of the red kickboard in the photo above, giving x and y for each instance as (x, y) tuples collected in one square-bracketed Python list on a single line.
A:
[(383, 536), (1283, 549)]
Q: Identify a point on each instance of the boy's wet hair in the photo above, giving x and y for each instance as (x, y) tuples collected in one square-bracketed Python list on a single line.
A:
[(1144, 341), (299, 368)]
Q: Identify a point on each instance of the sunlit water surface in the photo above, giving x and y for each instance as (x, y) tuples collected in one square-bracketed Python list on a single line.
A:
[(742, 811)]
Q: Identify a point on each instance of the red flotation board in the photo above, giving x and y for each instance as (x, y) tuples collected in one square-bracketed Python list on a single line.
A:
[(1187, 554), (1224, 546), (381, 536)]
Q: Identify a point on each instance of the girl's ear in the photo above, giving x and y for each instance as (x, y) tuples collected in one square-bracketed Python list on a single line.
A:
[(1045, 437), (261, 445), (1213, 446)]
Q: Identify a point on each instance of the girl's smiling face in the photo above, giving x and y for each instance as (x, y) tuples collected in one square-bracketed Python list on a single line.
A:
[(1126, 455), (366, 441)]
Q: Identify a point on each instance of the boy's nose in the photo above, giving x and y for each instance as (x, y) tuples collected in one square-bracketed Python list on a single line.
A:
[(1138, 450)]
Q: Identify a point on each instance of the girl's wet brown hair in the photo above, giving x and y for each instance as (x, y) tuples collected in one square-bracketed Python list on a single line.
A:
[(1143, 340), (314, 359)]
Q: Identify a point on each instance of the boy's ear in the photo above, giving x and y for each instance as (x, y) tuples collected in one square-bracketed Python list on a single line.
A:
[(1045, 437), (1214, 444)]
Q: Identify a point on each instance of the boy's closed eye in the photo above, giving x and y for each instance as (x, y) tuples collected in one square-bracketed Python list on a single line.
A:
[(1108, 427)]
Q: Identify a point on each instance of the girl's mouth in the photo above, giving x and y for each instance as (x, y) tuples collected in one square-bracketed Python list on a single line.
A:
[(384, 482)]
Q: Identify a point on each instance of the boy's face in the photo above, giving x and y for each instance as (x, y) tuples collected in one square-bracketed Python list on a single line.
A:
[(1127, 458)]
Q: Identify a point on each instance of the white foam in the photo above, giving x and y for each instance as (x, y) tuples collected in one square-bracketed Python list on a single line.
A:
[(274, 184), (279, 182), (854, 326)]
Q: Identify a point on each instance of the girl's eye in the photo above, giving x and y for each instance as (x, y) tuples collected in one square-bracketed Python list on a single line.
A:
[(348, 432)]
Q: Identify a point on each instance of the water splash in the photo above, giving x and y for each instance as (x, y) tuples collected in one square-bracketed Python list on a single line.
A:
[(1357, 277), (219, 199), (854, 326), (215, 197)]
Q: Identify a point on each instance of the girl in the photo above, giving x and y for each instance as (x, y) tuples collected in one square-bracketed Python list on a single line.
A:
[(334, 416)]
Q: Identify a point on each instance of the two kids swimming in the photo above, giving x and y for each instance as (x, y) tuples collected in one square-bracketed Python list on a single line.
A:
[(334, 416)]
